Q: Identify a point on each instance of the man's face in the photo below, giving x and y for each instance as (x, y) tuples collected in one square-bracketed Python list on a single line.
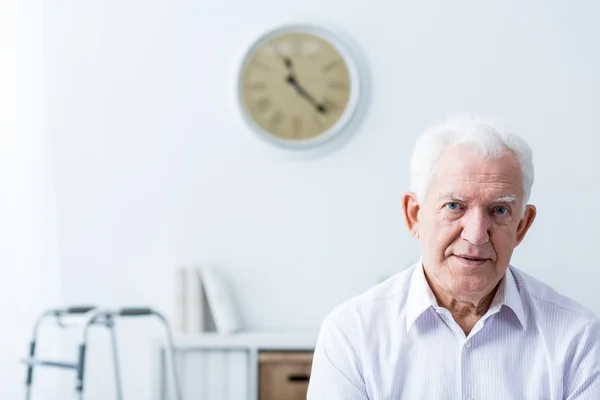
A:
[(470, 222)]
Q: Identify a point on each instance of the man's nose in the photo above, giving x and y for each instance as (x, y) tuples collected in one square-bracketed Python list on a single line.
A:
[(476, 227)]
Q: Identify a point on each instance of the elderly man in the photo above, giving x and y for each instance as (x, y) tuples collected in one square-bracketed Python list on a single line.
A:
[(462, 323)]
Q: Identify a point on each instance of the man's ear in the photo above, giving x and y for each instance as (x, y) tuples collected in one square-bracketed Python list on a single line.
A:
[(525, 223), (411, 207)]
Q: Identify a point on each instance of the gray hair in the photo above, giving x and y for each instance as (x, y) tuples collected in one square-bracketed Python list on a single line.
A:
[(489, 139)]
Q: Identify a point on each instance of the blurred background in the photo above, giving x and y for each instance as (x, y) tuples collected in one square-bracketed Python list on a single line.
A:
[(124, 155)]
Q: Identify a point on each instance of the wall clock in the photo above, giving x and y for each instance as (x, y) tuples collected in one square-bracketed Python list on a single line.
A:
[(299, 86)]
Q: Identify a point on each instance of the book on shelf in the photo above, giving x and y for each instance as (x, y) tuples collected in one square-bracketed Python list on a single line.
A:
[(204, 301)]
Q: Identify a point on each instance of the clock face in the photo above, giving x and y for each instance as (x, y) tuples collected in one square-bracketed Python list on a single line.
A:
[(296, 86)]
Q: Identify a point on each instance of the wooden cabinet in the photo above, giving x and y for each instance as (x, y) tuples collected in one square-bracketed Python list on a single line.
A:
[(241, 366), (283, 375)]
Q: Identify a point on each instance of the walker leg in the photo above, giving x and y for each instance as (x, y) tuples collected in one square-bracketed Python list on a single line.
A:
[(110, 323), (80, 371), (29, 378), (170, 352)]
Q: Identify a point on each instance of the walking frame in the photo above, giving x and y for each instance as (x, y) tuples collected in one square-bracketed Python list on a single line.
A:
[(96, 316)]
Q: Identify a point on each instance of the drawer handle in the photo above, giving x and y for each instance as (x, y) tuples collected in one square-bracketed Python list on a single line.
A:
[(298, 378)]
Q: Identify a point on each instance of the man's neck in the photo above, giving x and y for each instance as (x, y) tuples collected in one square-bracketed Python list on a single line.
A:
[(465, 311)]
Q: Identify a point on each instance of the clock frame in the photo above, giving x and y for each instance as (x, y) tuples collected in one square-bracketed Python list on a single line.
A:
[(299, 86)]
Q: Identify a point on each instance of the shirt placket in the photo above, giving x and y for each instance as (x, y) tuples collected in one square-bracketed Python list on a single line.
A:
[(467, 379), (466, 346)]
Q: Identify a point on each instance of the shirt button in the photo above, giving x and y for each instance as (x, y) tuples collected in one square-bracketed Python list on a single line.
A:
[(468, 344), (469, 398)]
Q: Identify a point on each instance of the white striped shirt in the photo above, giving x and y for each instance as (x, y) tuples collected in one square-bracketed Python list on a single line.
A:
[(395, 342)]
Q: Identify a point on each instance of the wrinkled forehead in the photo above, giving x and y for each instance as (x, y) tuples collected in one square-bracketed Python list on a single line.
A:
[(463, 173)]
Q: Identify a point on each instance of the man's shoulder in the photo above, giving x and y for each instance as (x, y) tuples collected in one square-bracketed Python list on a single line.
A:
[(544, 298), (393, 290)]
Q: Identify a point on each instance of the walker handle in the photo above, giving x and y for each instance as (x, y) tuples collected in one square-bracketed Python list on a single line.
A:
[(135, 311), (79, 309)]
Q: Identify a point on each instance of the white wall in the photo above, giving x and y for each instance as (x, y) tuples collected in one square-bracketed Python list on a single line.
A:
[(154, 167), (29, 268)]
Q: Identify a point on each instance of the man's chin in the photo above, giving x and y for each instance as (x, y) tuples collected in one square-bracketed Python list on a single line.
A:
[(470, 285)]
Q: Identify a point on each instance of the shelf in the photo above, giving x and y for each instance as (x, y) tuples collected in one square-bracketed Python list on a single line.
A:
[(262, 340), (212, 361)]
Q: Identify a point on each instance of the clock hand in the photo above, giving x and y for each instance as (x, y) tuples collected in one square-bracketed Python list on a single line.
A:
[(319, 107), (291, 79), (287, 61), (288, 64)]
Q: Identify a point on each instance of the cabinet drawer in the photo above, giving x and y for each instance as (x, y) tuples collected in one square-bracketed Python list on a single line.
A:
[(284, 375)]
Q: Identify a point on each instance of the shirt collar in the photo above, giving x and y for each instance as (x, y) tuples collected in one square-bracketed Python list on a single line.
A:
[(420, 297)]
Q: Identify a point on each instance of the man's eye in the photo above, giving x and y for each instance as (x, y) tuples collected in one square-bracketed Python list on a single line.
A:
[(501, 210), (452, 206)]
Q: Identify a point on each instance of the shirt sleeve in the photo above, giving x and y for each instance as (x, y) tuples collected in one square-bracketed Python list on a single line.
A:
[(336, 370), (582, 380)]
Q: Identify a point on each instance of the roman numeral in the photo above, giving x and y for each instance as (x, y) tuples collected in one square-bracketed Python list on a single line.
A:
[(261, 65), (297, 46), (330, 104), (318, 122), (262, 104), (331, 65), (337, 85), (275, 119), (296, 127), (258, 86)]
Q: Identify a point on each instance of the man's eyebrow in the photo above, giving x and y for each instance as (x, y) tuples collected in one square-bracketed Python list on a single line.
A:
[(506, 199), (452, 196)]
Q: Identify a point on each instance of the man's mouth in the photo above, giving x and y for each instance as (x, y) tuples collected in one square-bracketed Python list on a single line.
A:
[(471, 257)]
